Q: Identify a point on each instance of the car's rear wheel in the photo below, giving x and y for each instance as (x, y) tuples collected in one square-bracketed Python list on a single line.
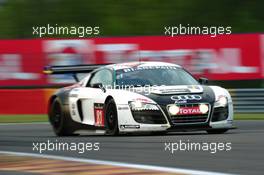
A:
[(217, 131), (111, 120), (57, 119)]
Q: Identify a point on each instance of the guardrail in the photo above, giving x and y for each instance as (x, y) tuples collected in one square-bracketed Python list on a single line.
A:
[(245, 100), (248, 100)]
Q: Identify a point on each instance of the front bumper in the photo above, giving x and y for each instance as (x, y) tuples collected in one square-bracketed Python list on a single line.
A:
[(217, 118), (127, 122)]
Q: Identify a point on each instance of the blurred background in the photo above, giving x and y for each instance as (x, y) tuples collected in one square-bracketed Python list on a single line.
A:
[(129, 30), (130, 17)]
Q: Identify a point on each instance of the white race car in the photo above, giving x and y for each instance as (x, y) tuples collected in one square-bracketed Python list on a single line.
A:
[(154, 97)]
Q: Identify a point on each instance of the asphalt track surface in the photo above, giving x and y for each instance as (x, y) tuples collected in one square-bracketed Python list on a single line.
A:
[(245, 157)]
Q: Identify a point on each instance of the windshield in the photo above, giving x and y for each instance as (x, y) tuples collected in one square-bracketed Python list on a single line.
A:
[(168, 76)]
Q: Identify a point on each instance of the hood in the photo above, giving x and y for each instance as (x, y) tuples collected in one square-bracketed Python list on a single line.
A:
[(180, 94), (183, 89)]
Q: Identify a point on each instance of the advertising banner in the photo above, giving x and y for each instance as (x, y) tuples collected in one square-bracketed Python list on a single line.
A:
[(225, 57)]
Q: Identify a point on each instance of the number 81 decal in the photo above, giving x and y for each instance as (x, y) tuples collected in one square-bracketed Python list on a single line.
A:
[(99, 114)]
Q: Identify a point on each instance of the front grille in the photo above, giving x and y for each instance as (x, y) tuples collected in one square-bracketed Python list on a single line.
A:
[(149, 117), (189, 119), (186, 119)]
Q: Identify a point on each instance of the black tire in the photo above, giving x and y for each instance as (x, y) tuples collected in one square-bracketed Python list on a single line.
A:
[(111, 120), (217, 131), (58, 120)]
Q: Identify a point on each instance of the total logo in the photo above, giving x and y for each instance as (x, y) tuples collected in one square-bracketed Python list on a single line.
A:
[(178, 110), (185, 111), (184, 98)]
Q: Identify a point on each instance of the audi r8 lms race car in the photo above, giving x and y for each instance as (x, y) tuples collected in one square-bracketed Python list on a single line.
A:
[(154, 97)]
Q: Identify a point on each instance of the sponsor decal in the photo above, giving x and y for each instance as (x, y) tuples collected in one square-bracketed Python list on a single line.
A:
[(127, 65), (142, 100), (98, 114), (123, 108), (189, 111), (148, 68), (129, 126), (165, 91)]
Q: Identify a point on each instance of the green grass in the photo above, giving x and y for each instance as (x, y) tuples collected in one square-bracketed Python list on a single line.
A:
[(249, 116), (23, 118), (44, 118)]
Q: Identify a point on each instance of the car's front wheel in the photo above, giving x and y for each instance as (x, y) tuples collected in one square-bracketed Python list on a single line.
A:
[(58, 119), (217, 131), (111, 120)]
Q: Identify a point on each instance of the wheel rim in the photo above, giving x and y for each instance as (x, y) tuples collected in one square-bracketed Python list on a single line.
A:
[(111, 117), (56, 115)]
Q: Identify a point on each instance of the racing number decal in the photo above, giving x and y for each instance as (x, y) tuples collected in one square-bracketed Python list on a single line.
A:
[(99, 114), (99, 121)]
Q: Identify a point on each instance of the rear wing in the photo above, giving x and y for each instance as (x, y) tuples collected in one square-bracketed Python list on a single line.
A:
[(73, 69)]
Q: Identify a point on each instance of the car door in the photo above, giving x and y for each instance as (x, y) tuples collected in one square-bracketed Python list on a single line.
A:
[(89, 103)]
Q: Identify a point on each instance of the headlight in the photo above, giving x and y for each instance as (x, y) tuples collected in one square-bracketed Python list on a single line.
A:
[(138, 106), (203, 108), (221, 101), (174, 109)]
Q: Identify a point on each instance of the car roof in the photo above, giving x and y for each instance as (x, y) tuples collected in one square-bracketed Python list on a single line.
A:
[(126, 65)]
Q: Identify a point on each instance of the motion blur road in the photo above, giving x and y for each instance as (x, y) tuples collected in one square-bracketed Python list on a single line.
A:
[(246, 156)]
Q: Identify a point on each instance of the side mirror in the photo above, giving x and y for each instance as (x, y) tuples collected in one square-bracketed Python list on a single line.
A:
[(98, 85), (203, 80)]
